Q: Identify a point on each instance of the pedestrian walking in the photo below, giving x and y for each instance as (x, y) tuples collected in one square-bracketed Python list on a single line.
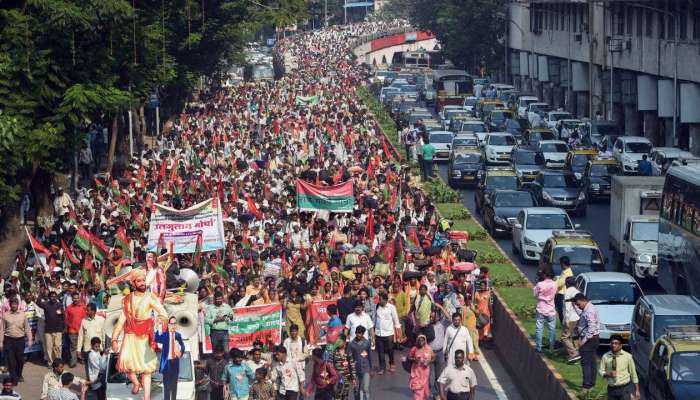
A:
[(75, 312), (14, 328), (644, 166), (238, 376), (456, 338), (386, 325), (617, 366), (262, 388), (54, 325), (344, 365), (439, 321), (92, 326), (421, 356), (287, 377), (428, 151), (544, 292), (566, 272), (324, 376), (458, 381), (215, 369), (360, 350), (96, 369), (589, 336)]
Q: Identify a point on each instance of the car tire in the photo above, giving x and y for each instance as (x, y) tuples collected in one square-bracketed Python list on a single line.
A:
[(521, 256), (514, 248)]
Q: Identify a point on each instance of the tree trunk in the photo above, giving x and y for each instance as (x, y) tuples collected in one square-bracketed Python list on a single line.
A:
[(112, 143)]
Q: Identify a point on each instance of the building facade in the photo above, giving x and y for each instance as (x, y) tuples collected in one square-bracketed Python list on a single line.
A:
[(634, 62)]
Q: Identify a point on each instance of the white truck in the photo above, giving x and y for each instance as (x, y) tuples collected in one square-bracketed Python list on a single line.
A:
[(635, 202), (185, 310)]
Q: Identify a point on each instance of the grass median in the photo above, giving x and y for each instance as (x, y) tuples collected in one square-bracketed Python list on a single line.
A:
[(508, 281)]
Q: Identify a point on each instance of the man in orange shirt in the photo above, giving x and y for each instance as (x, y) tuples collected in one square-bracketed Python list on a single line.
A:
[(75, 313)]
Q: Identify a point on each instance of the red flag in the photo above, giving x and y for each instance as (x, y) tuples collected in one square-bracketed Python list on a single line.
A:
[(163, 167), (370, 228), (220, 190), (285, 265), (337, 177), (71, 257), (387, 153), (234, 194), (173, 173), (253, 209), (36, 245)]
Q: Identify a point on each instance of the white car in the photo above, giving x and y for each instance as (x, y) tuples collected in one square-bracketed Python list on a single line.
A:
[(498, 146), (555, 116), (535, 113), (614, 294), (629, 150), (662, 158), (472, 125), (442, 141), (523, 102), (554, 152), (533, 226), (470, 102)]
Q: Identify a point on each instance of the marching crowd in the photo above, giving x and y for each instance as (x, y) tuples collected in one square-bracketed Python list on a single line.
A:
[(388, 263)]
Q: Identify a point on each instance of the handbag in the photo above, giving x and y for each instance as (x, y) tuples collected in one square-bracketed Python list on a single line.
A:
[(482, 319), (407, 364)]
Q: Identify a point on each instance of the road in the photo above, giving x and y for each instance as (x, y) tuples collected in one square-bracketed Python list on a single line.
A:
[(596, 222)]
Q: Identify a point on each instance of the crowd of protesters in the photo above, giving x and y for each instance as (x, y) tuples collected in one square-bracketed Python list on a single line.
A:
[(389, 263)]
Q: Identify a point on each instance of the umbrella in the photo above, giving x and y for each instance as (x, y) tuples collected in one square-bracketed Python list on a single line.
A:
[(464, 267)]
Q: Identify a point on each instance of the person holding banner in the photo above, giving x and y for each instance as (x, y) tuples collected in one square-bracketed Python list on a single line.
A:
[(217, 316)]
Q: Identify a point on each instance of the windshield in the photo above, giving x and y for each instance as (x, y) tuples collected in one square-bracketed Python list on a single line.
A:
[(554, 148), (577, 255), (456, 114), (603, 130), (613, 292), (502, 182), (465, 142), (661, 322), (537, 136), (518, 199), (473, 127), (120, 377), (560, 116), (561, 181), (470, 102), (604, 169), (441, 138), (500, 116), (580, 160), (637, 147), (501, 140), (526, 102), (645, 231), (539, 107), (685, 367), (469, 158), (525, 158), (548, 221)]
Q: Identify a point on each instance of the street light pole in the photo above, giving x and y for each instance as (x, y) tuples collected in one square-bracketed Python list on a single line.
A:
[(325, 13)]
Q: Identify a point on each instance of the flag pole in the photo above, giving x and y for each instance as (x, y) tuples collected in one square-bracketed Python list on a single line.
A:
[(36, 255)]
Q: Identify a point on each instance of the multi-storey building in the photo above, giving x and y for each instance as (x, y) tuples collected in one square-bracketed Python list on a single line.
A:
[(623, 60)]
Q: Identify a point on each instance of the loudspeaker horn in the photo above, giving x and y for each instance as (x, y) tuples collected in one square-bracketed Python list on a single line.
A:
[(186, 323)]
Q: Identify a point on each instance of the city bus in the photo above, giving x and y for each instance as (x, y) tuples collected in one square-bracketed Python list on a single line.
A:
[(679, 232), (451, 87)]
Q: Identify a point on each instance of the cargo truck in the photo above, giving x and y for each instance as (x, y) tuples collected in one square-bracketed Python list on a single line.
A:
[(634, 224)]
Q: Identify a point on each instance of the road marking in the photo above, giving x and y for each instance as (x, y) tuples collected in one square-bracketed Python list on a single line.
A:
[(493, 381)]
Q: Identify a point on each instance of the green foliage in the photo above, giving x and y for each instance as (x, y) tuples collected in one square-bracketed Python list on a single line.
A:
[(381, 115), (438, 192), (471, 32)]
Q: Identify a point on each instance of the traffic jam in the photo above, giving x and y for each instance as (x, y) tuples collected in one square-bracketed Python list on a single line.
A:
[(549, 186)]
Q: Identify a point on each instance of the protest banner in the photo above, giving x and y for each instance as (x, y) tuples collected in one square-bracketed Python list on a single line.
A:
[(321, 319), (336, 198), (182, 227), (255, 322)]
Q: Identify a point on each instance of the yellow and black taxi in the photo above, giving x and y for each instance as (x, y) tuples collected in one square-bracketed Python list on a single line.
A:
[(496, 119), (674, 365), (464, 166), (577, 159), (486, 105), (527, 164), (491, 179), (532, 136), (597, 177), (583, 252)]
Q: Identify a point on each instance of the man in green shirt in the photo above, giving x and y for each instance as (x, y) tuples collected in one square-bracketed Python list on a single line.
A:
[(617, 366), (428, 153), (217, 317)]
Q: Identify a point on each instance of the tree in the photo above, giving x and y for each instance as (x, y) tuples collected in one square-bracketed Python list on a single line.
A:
[(64, 63), (471, 32)]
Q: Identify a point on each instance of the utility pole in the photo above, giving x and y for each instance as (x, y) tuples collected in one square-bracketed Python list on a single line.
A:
[(325, 13)]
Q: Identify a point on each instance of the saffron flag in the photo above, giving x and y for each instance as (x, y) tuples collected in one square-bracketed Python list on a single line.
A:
[(336, 198)]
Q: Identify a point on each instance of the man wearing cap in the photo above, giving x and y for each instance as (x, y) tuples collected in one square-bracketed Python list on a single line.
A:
[(14, 327), (62, 203), (137, 352)]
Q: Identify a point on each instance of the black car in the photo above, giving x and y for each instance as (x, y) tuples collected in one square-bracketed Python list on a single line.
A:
[(502, 207), (493, 179), (464, 167), (597, 178), (559, 189), (527, 164)]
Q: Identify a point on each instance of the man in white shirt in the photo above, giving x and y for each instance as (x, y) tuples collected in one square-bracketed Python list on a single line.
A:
[(96, 367), (287, 376), (91, 326), (62, 203), (571, 318), (456, 338), (359, 318), (295, 346), (387, 322), (458, 380)]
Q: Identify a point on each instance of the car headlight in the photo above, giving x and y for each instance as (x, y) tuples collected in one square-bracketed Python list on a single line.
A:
[(529, 241), (582, 196), (595, 186), (457, 174), (547, 196), (500, 220), (645, 258)]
